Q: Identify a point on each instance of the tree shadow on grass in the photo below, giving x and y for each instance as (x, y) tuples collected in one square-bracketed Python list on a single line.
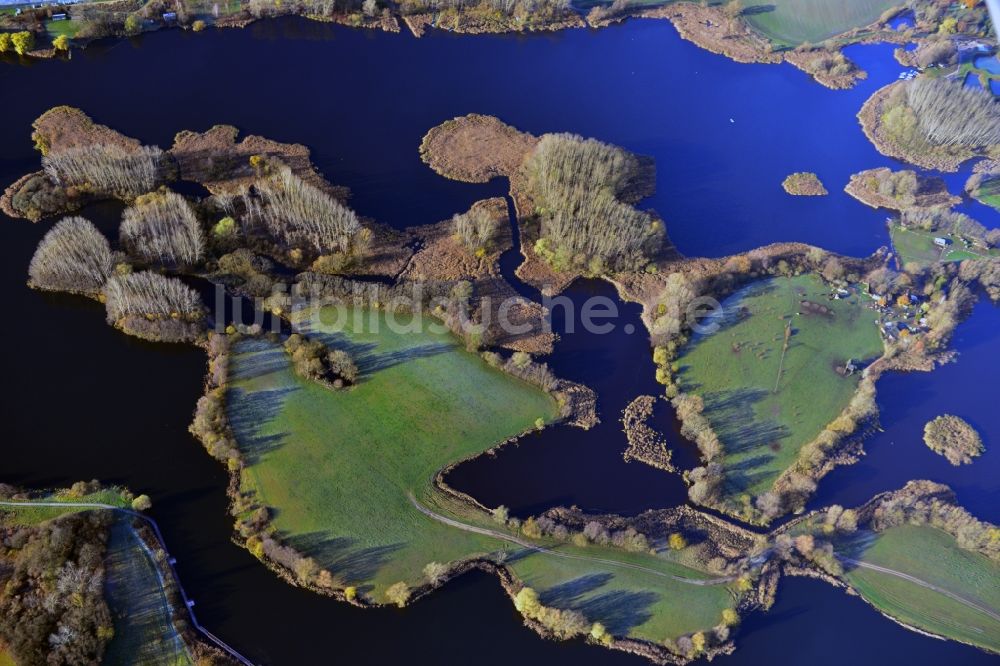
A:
[(248, 412), (566, 594), (366, 354), (738, 426), (342, 557), (739, 476), (256, 358), (618, 610)]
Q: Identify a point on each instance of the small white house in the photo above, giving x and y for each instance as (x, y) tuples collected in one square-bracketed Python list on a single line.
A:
[(940, 241)]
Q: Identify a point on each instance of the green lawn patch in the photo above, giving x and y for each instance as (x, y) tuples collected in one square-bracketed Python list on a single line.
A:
[(931, 555), (69, 27), (6, 659), (793, 22), (144, 631), (764, 419), (917, 246), (338, 468), (33, 515)]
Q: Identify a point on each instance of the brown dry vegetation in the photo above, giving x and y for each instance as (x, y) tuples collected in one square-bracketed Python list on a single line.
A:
[(475, 148), (222, 164), (644, 443)]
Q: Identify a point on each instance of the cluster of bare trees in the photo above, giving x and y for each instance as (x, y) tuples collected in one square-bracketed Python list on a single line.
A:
[(902, 186), (476, 228), (161, 227), (148, 294), (107, 169), (300, 215), (505, 7), (953, 115), (577, 185), (73, 256)]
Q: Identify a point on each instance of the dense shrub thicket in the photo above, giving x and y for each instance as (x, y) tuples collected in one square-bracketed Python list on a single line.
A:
[(38, 197), (578, 185), (301, 216), (952, 115), (314, 360), (52, 592), (73, 256), (161, 227), (107, 169)]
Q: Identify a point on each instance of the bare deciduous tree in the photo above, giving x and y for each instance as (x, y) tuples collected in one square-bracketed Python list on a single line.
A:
[(952, 115), (577, 185), (107, 169), (73, 256), (300, 215), (162, 228), (148, 294)]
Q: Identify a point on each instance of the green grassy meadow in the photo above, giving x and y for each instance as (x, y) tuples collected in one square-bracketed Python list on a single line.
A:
[(917, 246), (793, 22), (931, 555), (338, 468), (144, 632), (6, 659), (762, 421)]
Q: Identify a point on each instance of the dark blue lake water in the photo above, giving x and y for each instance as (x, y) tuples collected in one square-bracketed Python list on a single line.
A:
[(88, 402)]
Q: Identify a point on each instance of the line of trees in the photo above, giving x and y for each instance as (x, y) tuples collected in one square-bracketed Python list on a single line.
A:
[(107, 169), (301, 216), (74, 257), (161, 227), (953, 115), (577, 185)]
